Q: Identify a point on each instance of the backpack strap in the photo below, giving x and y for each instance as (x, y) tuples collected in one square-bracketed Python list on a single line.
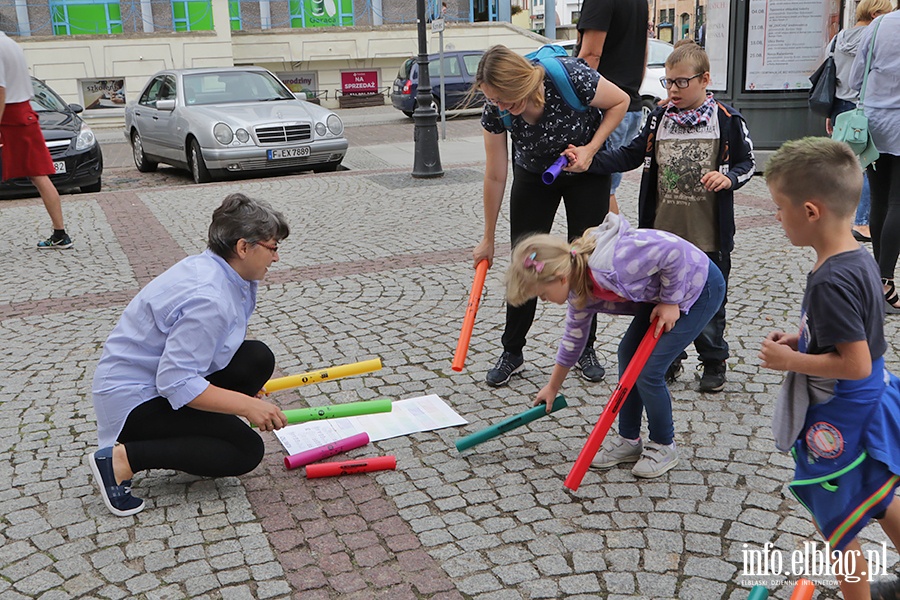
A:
[(560, 77)]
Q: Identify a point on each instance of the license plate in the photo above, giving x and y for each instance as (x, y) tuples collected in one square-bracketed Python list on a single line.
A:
[(288, 152), (60, 166)]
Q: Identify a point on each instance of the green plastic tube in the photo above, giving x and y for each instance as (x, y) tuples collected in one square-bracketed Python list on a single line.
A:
[(758, 592), (509, 424), (351, 409)]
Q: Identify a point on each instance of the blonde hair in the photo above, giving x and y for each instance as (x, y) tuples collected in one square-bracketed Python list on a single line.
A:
[(555, 259), (513, 76), (817, 168), (866, 9), (687, 51)]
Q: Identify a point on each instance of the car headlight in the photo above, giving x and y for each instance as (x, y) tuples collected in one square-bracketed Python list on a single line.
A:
[(335, 125), (242, 136), (223, 133), (85, 138), (320, 128)]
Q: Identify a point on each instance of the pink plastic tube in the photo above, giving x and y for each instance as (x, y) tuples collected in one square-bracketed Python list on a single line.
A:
[(316, 454)]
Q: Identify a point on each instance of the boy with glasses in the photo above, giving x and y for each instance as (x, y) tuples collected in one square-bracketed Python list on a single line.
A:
[(695, 152)]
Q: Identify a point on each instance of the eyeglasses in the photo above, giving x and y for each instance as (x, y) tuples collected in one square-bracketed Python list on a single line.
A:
[(679, 82), (268, 247)]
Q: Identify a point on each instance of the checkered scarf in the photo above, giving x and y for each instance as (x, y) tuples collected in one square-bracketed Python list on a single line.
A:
[(696, 117)]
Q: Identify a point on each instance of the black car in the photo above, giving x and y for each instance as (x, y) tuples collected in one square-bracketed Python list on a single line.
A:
[(459, 73), (73, 147)]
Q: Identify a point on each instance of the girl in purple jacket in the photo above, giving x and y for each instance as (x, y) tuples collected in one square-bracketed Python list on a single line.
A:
[(651, 274)]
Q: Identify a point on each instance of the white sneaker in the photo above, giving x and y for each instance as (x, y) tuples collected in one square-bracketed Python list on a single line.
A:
[(656, 459), (615, 451)]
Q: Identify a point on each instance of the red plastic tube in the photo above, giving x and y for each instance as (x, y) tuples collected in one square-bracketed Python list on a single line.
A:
[(348, 467), (629, 377)]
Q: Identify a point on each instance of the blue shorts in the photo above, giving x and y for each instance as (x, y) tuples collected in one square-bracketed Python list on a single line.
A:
[(622, 135)]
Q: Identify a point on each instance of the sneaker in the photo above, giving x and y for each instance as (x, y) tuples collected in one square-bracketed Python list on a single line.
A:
[(590, 367), (713, 378), (615, 451), (508, 364), (117, 497), (56, 243), (674, 371), (656, 459)]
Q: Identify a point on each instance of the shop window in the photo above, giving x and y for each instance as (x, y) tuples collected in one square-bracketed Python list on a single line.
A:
[(75, 17), (234, 11), (321, 13), (192, 15)]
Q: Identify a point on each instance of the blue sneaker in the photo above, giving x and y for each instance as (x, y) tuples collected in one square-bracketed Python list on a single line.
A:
[(54, 243), (117, 497)]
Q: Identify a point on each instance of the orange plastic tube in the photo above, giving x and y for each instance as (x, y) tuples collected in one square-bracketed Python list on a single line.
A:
[(629, 377), (462, 346), (803, 590)]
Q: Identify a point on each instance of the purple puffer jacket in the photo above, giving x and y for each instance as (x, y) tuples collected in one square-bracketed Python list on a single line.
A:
[(640, 265)]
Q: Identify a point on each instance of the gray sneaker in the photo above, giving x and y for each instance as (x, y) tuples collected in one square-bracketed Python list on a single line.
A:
[(656, 459), (615, 451)]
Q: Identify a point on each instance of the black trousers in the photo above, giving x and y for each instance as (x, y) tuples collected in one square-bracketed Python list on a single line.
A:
[(884, 217), (196, 441), (532, 207)]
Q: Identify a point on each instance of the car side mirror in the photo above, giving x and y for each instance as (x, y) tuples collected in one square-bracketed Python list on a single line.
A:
[(76, 108), (168, 105)]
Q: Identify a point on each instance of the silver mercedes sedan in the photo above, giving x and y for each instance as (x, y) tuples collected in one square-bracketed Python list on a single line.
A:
[(228, 121)]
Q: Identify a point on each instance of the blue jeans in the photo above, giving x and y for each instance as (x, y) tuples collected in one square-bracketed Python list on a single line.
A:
[(862, 210), (650, 392), (622, 135)]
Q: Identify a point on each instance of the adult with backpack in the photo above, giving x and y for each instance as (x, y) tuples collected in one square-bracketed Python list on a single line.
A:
[(544, 108)]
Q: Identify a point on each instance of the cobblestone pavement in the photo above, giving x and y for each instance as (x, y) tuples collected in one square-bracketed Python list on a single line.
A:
[(378, 264)]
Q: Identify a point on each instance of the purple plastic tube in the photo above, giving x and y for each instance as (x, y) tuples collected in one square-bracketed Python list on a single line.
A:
[(315, 454), (554, 170)]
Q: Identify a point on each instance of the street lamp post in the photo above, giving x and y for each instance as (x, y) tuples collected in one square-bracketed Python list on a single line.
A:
[(427, 158)]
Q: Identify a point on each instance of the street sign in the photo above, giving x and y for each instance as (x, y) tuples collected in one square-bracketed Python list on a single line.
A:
[(437, 25)]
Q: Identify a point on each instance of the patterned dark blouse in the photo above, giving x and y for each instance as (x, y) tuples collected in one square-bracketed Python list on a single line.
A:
[(536, 147)]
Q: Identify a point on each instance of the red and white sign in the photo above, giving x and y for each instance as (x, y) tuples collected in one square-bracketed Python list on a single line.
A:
[(359, 82)]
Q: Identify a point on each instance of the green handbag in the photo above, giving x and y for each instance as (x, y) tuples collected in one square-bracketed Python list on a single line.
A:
[(852, 126)]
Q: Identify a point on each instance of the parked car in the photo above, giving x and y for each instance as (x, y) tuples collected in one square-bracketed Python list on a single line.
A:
[(651, 89), (73, 147), (230, 120), (459, 74)]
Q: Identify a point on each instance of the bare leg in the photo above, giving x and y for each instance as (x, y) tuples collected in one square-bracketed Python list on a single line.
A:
[(51, 199), (121, 466), (613, 204), (854, 584)]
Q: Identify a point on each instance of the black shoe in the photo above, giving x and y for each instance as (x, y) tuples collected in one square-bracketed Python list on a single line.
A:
[(507, 364), (713, 378), (590, 367), (674, 371), (860, 237)]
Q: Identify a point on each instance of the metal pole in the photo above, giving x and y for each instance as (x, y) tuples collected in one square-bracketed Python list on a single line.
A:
[(443, 94), (427, 157)]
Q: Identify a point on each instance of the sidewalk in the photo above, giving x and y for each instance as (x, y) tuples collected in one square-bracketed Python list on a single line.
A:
[(378, 264)]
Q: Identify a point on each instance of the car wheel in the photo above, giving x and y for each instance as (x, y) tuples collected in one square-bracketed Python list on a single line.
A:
[(647, 107), (137, 150), (408, 113), (198, 167), (92, 188)]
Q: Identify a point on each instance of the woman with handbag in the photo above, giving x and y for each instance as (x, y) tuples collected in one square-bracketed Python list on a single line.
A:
[(844, 47), (882, 108)]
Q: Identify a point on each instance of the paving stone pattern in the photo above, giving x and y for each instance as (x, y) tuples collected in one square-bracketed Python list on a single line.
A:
[(378, 264)]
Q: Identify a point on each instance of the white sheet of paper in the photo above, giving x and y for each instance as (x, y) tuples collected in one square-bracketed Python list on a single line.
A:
[(425, 413)]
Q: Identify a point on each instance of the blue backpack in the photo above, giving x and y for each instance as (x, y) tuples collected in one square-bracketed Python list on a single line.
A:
[(548, 57)]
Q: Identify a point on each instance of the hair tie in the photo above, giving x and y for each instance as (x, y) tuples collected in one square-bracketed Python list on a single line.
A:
[(573, 253), (531, 262)]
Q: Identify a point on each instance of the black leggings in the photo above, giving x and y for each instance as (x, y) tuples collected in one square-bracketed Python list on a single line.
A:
[(197, 441), (884, 218), (532, 206)]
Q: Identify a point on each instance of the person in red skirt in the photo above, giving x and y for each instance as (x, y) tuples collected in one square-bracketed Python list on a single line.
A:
[(24, 152)]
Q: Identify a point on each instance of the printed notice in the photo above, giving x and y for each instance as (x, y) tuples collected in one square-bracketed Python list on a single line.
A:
[(718, 15), (785, 39), (424, 413)]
